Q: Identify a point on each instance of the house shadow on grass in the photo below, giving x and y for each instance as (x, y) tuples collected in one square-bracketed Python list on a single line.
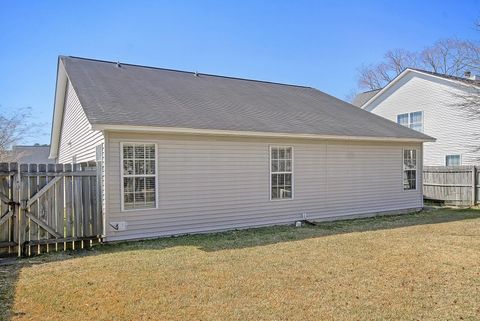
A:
[(236, 239), (243, 238)]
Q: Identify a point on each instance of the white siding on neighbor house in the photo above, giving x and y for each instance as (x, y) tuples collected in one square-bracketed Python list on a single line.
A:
[(76, 138), (208, 184), (456, 133)]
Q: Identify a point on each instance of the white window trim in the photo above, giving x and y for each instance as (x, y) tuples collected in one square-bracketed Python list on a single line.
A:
[(122, 196), (416, 169), (270, 172), (460, 157), (408, 118)]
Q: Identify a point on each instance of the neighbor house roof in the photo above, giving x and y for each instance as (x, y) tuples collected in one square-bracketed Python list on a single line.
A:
[(362, 98), (380, 92), (474, 82), (121, 96), (31, 154)]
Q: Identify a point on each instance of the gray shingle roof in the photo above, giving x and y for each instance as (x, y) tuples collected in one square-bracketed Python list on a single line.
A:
[(362, 98), (31, 154), (147, 96)]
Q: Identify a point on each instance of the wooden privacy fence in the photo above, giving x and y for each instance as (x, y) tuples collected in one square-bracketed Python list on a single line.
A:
[(456, 185), (48, 207)]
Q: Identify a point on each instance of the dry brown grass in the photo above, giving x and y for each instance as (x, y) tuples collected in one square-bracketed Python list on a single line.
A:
[(414, 267)]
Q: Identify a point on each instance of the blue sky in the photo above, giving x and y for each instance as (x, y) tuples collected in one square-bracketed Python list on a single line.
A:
[(315, 43)]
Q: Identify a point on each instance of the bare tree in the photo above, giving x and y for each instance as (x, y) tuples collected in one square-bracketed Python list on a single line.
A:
[(400, 59), (451, 57), (395, 61), (470, 99), (472, 62), (447, 56), (369, 78), (12, 129)]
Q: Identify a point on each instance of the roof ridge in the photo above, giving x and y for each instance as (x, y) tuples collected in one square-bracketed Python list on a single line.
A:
[(188, 72)]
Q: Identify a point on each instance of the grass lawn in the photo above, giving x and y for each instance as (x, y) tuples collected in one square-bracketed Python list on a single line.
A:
[(423, 266)]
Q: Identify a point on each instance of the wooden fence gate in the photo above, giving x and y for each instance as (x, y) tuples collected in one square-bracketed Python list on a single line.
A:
[(49, 207)]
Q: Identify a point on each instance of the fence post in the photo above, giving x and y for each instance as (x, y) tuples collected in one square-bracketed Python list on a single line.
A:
[(14, 195), (100, 181), (474, 185), (18, 188), (23, 197)]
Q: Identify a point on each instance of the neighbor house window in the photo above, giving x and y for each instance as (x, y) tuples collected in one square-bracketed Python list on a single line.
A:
[(402, 119), (281, 169), (452, 160), (409, 169), (139, 175), (412, 120)]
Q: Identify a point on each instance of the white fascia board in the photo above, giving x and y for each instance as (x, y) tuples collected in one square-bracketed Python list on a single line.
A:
[(216, 132), (59, 104)]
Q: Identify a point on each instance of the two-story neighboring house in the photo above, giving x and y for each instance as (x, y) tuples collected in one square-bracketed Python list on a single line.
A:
[(431, 103)]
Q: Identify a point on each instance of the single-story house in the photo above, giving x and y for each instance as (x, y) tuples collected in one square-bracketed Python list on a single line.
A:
[(28, 154), (186, 152), (431, 103)]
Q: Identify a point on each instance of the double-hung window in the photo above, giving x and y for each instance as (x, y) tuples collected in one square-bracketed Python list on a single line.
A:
[(409, 169), (139, 175), (281, 172), (452, 160), (412, 120), (416, 121)]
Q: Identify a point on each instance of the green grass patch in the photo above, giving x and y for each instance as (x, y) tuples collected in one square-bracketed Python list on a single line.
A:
[(420, 266)]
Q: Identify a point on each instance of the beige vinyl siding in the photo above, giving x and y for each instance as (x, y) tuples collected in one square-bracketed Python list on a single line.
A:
[(455, 131), (77, 138), (207, 183)]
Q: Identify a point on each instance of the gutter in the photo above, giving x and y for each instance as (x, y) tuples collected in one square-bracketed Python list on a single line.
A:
[(218, 132)]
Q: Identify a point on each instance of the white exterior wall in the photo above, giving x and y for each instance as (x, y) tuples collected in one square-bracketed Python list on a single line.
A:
[(77, 138), (207, 183), (456, 133)]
